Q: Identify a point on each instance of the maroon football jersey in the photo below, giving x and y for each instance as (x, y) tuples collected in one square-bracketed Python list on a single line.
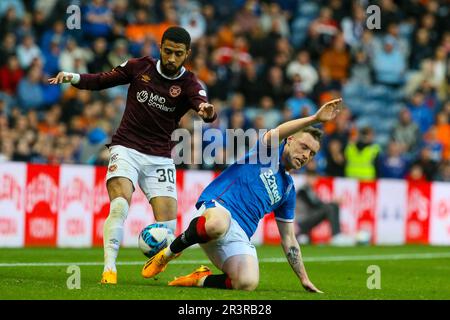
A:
[(155, 103)]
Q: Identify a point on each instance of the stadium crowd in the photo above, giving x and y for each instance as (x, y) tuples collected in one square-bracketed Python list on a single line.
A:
[(261, 61)]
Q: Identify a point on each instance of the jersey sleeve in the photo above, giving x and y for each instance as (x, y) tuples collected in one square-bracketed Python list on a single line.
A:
[(196, 94), (286, 212), (120, 75)]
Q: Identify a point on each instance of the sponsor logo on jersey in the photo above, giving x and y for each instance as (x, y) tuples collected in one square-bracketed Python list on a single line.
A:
[(142, 96), (270, 182), (153, 100), (174, 91)]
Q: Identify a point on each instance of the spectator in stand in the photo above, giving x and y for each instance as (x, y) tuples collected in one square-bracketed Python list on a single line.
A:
[(250, 84), (417, 78), (360, 72), (30, 91), (56, 34), (299, 104), (276, 87), (362, 156), (9, 22), (416, 174), (8, 47), (325, 86), (420, 113), (335, 159), (272, 117), (426, 163), (119, 54), (51, 58), (406, 132), (322, 30), (422, 49), (194, 22), (99, 62), (353, 27), (236, 105), (389, 64), (443, 133), (393, 163), (272, 14), (247, 16), (74, 58), (433, 143), (27, 51), (444, 172), (10, 76), (303, 68), (98, 20), (336, 59)]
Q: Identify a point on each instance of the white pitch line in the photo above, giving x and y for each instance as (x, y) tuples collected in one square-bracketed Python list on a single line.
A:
[(401, 256)]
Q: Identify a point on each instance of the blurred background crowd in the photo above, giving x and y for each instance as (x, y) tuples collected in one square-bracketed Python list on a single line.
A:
[(262, 62)]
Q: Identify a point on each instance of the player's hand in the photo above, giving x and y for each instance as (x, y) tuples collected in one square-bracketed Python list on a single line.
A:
[(206, 110), (310, 287), (61, 77), (329, 110)]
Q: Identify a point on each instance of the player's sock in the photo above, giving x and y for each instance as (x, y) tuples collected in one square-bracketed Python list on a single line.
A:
[(221, 281), (195, 233), (113, 231)]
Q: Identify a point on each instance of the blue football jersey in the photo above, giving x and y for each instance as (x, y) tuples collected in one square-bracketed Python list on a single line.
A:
[(251, 189)]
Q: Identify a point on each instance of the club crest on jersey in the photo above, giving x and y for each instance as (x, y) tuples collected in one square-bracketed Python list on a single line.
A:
[(174, 91), (112, 168)]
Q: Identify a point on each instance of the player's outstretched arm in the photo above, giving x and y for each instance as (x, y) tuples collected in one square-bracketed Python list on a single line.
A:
[(91, 81), (293, 254), (326, 113)]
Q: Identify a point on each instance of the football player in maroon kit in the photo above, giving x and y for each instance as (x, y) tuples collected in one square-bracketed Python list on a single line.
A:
[(160, 93)]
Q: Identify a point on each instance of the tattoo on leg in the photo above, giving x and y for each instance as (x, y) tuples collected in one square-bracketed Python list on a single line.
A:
[(293, 255)]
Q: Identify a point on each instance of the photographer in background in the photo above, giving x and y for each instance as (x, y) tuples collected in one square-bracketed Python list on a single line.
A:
[(310, 211)]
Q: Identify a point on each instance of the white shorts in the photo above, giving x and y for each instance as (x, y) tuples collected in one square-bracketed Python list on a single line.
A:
[(234, 242), (155, 175)]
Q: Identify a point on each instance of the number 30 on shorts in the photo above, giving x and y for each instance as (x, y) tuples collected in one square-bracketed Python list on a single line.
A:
[(164, 175)]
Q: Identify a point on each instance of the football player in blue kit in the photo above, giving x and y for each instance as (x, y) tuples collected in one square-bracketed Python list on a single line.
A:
[(231, 206)]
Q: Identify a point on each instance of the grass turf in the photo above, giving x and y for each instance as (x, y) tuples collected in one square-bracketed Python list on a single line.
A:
[(402, 276)]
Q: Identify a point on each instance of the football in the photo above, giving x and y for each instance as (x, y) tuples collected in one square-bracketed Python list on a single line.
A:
[(154, 238)]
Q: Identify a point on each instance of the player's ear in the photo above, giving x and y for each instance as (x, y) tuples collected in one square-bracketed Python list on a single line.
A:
[(289, 139)]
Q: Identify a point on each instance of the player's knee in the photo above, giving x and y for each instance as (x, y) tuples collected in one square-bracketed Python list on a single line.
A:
[(216, 224), (246, 283), (215, 228), (119, 187)]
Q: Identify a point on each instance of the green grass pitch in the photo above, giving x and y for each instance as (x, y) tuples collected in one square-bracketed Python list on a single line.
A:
[(406, 272)]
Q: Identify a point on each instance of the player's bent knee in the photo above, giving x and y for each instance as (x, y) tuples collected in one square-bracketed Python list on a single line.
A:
[(217, 223), (245, 283), (119, 187), (215, 228)]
